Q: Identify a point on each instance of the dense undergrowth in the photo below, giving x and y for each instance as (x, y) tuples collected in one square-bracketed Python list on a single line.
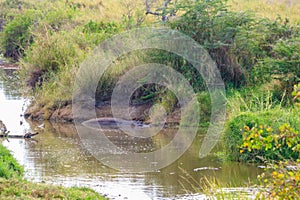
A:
[(51, 39), (255, 44)]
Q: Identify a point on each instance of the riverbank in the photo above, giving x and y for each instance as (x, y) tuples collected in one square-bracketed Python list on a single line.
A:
[(8, 65), (257, 57), (64, 113), (14, 186)]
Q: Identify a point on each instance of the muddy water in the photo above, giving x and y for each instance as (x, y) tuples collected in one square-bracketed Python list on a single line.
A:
[(56, 156)]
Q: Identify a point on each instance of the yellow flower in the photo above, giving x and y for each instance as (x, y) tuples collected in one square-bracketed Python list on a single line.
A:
[(261, 126), (241, 151), (280, 176)]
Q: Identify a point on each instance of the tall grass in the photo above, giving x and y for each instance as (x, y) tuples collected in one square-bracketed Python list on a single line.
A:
[(212, 189), (62, 33), (253, 107)]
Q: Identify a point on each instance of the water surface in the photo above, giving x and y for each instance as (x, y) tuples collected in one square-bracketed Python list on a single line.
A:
[(57, 156)]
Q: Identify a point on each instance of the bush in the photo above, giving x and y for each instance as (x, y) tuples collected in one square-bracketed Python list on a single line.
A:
[(51, 63), (17, 36), (233, 135), (215, 29), (280, 181), (52, 52), (263, 143), (98, 31), (255, 39), (284, 64)]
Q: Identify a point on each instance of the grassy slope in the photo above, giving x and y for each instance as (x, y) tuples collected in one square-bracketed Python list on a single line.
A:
[(269, 8), (13, 186)]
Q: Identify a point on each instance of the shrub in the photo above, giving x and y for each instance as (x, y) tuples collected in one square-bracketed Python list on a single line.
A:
[(255, 39), (52, 52), (280, 181), (233, 135), (101, 27), (16, 36), (215, 28), (51, 63), (264, 143), (284, 64), (98, 31)]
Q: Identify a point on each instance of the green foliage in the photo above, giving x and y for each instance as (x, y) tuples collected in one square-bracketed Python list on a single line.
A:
[(180, 65), (98, 31), (11, 8), (238, 41), (280, 182), (215, 29), (66, 31), (168, 100), (233, 135), (204, 103), (12, 186), (101, 27), (22, 189), (254, 40), (296, 94), (9, 167), (16, 36), (52, 52), (283, 64), (50, 64), (264, 143)]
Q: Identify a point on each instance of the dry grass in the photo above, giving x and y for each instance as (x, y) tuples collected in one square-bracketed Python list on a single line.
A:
[(269, 8)]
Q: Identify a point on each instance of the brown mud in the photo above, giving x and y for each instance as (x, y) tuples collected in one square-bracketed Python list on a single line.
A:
[(5, 65), (64, 114)]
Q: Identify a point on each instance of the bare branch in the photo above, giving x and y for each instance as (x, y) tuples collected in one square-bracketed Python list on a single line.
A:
[(148, 10), (152, 13)]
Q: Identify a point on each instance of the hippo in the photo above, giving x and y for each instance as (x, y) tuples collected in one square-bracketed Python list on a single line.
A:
[(114, 123)]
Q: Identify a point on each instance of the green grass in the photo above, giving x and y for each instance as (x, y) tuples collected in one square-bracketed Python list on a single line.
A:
[(62, 33), (13, 186), (252, 107), (22, 189), (9, 167)]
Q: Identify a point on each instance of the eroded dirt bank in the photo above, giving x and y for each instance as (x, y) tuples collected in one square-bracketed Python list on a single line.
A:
[(64, 113)]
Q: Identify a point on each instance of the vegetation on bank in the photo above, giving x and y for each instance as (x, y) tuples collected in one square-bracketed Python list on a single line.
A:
[(50, 39), (9, 168), (14, 186), (255, 44)]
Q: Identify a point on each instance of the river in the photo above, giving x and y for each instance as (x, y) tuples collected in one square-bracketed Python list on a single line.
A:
[(56, 156)]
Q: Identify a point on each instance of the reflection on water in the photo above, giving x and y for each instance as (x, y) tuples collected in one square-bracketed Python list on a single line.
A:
[(56, 156), (12, 105)]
